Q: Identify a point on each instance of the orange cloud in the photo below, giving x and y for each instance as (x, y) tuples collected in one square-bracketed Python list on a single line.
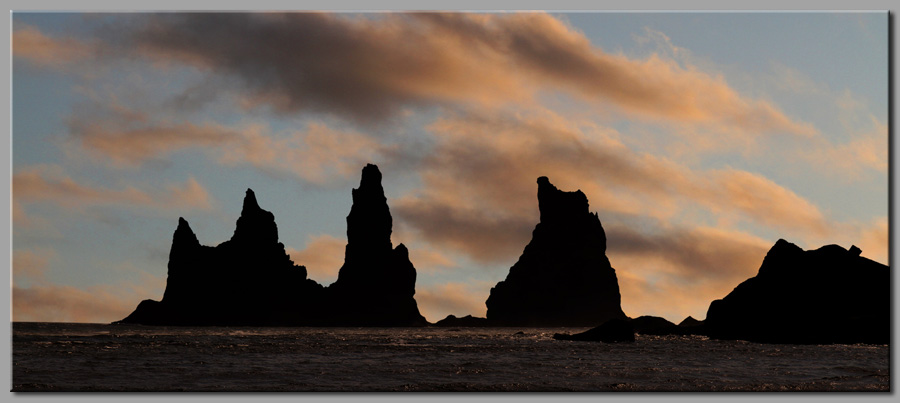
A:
[(370, 68), (426, 259), (676, 272), (479, 184), (135, 145), (437, 301), (866, 151), (49, 184), (94, 304), (29, 43), (323, 257), (30, 264), (318, 155)]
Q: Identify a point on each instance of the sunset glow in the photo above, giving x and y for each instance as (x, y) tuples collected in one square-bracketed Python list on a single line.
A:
[(697, 150)]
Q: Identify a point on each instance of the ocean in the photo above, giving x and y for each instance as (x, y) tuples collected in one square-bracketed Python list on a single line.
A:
[(101, 357)]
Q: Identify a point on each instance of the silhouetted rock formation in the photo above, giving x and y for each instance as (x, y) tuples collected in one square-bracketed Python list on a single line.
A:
[(465, 321), (247, 280), (376, 284), (613, 331), (690, 322), (827, 295), (563, 277), (652, 325)]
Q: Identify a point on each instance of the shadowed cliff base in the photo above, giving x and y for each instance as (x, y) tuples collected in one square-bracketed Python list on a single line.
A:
[(563, 277), (250, 280)]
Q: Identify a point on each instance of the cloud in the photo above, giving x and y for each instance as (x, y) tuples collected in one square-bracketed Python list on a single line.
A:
[(323, 257), (93, 304), (677, 271), (479, 188), (865, 152), (126, 137), (47, 183), (370, 67), (31, 264), (486, 236), (427, 259), (135, 145), (29, 43), (437, 301), (319, 154)]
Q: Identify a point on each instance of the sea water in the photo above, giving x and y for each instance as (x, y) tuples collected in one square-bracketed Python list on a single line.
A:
[(100, 357)]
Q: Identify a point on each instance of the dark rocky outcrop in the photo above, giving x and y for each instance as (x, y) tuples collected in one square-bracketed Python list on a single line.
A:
[(652, 325), (690, 322), (250, 280), (827, 295), (465, 321), (247, 280), (376, 284), (563, 277), (613, 331)]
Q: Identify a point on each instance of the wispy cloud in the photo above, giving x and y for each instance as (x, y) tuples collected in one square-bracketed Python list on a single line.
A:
[(353, 66), (479, 184), (29, 43), (50, 184), (94, 304), (319, 154), (30, 265)]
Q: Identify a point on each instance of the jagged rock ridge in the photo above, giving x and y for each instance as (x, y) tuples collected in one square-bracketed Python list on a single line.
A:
[(827, 295), (250, 279), (563, 277), (247, 280)]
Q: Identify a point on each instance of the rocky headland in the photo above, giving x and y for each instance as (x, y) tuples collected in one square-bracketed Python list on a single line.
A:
[(822, 296)]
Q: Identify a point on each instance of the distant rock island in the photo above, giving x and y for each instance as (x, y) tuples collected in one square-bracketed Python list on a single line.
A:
[(822, 296), (563, 277), (611, 331), (250, 279)]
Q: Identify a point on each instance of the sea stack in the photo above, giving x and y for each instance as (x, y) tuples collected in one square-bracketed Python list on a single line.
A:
[(563, 277), (822, 296), (376, 284), (247, 280)]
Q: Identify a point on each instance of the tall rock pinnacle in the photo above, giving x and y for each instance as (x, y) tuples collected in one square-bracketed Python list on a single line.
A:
[(376, 284), (563, 277)]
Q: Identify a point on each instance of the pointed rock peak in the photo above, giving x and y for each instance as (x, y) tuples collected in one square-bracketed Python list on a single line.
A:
[(371, 176), (250, 203), (557, 205), (783, 246), (782, 251), (182, 223), (255, 224), (184, 234)]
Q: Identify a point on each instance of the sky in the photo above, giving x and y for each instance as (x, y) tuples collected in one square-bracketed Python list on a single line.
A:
[(700, 139)]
